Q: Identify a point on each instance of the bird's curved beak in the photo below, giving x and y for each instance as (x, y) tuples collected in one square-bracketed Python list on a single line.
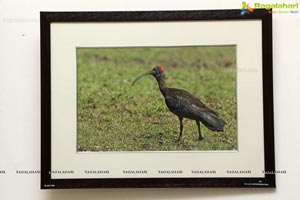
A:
[(141, 76)]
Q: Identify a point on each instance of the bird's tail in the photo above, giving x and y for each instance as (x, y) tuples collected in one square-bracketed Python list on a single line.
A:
[(213, 121)]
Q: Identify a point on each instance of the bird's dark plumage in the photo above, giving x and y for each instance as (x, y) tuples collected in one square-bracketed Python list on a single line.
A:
[(182, 103), (185, 105)]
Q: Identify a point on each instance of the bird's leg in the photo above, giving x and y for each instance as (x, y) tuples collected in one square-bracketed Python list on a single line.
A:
[(200, 136), (181, 127)]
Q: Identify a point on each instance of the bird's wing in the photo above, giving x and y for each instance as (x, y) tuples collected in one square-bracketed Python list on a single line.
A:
[(187, 105), (184, 103), (184, 97)]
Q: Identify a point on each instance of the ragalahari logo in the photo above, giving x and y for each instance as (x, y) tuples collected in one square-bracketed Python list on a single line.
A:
[(282, 8), (246, 8)]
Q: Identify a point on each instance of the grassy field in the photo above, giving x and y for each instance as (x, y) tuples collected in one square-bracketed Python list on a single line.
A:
[(115, 116)]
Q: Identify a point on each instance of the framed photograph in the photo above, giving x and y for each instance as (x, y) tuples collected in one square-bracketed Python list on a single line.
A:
[(157, 99)]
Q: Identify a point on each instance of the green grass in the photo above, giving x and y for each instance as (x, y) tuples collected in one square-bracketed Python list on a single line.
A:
[(115, 116)]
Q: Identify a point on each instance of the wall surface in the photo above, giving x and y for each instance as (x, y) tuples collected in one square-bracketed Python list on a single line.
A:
[(20, 102)]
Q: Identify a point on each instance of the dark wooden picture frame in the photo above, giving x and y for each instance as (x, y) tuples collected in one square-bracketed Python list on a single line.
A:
[(47, 18)]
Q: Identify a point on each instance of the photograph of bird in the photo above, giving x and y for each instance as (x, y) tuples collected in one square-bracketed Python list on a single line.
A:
[(185, 105)]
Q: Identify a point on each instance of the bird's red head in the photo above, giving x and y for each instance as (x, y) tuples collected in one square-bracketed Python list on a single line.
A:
[(160, 68), (157, 72)]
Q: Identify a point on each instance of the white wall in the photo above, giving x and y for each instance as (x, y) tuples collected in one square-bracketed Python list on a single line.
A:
[(20, 101)]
